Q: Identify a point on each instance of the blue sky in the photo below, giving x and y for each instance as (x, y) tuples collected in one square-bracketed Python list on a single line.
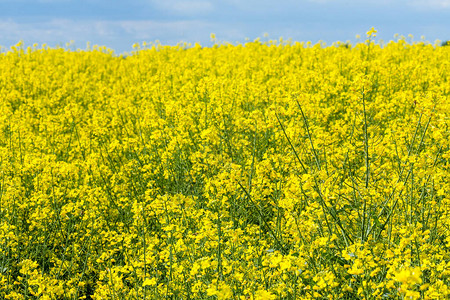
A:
[(119, 24)]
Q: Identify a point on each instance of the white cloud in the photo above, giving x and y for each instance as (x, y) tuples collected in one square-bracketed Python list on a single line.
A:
[(151, 30), (119, 35), (36, 1), (55, 29), (185, 7), (321, 1), (433, 4), (53, 1), (429, 4)]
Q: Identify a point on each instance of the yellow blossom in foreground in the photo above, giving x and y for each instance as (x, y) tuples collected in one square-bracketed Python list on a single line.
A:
[(409, 276), (264, 295)]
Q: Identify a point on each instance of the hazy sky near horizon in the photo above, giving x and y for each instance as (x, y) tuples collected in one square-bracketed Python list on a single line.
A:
[(120, 24)]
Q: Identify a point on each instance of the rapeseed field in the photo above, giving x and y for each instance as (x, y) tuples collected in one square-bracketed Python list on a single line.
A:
[(267, 170)]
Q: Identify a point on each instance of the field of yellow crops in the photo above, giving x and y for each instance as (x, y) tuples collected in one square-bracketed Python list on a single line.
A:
[(273, 170)]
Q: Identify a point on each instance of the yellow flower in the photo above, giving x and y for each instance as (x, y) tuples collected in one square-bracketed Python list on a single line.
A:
[(285, 264), (149, 282), (264, 295), (225, 292), (371, 32), (357, 268), (212, 290), (355, 271), (409, 276)]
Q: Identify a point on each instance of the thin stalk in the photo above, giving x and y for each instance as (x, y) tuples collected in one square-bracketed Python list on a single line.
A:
[(145, 247), (219, 248), (406, 179), (305, 121), (403, 168), (280, 244), (292, 146), (325, 208), (367, 177)]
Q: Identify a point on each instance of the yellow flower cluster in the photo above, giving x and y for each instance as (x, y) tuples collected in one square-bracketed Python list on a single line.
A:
[(274, 170)]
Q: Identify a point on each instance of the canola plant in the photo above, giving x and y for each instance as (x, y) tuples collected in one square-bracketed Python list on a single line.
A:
[(267, 170)]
